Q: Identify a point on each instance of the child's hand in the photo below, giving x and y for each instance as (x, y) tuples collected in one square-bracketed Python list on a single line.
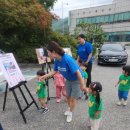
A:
[(97, 114), (83, 89), (117, 83), (41, 78)]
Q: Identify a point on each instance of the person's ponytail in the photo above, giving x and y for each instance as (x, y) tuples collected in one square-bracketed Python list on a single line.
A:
[(96, 86), (98, 98)]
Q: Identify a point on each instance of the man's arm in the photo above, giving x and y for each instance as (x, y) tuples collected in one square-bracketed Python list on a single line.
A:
[(89, 57), (77, 59)]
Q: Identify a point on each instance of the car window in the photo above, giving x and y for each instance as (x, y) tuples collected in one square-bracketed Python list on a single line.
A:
[(112, 47)]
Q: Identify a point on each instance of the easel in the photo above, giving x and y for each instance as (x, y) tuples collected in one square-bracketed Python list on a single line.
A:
[(46, 67), (23, 83)]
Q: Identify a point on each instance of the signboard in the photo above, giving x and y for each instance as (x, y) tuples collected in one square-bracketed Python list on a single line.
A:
[(68, 51), (42, 56), (10, 69)]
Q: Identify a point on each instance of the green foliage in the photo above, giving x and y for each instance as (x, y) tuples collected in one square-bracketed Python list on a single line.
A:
[(48, 4), (65, 41), (93, 33), (26, 54), (23, 24), (26, 25), (94, 50)]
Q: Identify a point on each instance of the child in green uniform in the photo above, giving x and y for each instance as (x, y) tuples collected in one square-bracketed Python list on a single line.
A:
[(124, 86), (83, 67), (95, 105), (42, 92), (85, 76)]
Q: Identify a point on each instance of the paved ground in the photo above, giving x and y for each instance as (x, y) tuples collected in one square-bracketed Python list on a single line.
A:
[(114, 117)]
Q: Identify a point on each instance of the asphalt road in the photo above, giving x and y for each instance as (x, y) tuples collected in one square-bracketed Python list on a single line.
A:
[(114, 117)]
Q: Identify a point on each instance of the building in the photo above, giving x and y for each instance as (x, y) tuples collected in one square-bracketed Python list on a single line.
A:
[(114, 18)]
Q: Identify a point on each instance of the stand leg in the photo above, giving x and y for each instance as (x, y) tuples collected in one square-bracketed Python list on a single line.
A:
[(46, 67), (49, 65), (48, 91), (23, 95), (19, 106), (31, 96), (5, 96), (42, 67)]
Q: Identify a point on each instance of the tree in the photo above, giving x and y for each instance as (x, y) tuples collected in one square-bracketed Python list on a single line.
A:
[(23, 25), (65, 41), (94, 33), (48, 4)]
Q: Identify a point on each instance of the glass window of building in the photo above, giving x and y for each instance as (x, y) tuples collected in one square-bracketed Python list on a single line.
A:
[(89, 20), (126, 16), (94, 20), (120, 16), (102, 19), (85, 20), (98, 19), (116, 17), (111, 18), (106, 19)]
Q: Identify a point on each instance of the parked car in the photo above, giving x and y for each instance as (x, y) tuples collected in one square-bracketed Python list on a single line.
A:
[(112, 54), (1, 51)]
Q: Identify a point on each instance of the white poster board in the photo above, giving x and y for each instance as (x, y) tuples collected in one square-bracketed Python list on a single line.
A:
[(40, 56), (10, 69), (68, 51)]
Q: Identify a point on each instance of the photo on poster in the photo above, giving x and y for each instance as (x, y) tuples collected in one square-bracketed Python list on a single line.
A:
[(10, 69), (42, 56)]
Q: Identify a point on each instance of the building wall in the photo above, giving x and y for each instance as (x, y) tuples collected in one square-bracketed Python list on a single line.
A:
[(118, 9)]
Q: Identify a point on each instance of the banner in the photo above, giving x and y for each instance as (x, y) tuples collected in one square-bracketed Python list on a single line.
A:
[(42, 56), (10, 69)]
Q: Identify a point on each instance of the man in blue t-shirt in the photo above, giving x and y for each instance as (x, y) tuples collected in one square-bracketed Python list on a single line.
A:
[(85, 55)]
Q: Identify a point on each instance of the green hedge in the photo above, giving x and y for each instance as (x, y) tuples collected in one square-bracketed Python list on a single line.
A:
[(27, 54)]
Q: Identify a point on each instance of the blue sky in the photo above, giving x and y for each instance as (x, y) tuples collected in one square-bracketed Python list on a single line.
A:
[(76, 4)]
